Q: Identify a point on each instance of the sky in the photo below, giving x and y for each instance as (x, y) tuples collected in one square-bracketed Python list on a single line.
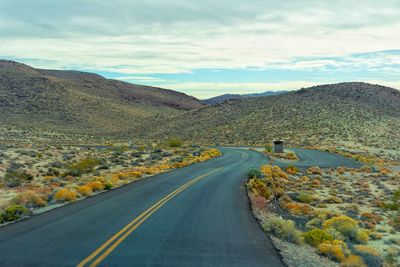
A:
[(207, 47)]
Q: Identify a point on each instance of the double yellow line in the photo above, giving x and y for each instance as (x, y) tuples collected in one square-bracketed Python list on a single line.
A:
[(104, 250)]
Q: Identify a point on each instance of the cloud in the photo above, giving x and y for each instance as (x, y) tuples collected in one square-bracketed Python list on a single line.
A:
[(147, 37)]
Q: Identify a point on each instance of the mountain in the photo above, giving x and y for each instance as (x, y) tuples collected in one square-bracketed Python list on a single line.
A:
[(357, 113), (80, 102), (226, 97)]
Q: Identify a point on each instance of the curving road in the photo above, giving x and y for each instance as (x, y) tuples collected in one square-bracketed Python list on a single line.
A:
[(323, 159), (195, 216)]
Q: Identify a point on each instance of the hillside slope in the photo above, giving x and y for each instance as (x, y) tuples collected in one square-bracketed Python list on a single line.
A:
[(80, 102), (347, 112)]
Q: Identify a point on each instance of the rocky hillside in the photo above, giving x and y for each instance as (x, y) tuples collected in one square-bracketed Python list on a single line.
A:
[(81, 102), (356, 113)]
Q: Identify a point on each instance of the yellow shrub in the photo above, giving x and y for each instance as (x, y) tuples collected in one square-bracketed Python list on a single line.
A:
[(316, 237), (336, 250), (292, 170), (343, 224), (314, 170), (362, 236), (305, 179), (259, 188), (353, 261), (297, 208), (367, 250), (65, 195), (30, 199), (85, 190), (95, 186)]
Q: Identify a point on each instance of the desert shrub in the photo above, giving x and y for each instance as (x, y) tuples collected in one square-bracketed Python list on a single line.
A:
[(283, 229), (390, 206), (136, 154), (166, 154), (292, 170), (258, 188), (52, 172), (16, 178), (255, 173), (174, 142), (304, 197), (268, 148), (14, 212), (30, 199), (333, 200), (155, 156), (108, 186), (95, 186), (348, 227), (177, 159), (56, 164), (291, 156), (297, 208), (85, 190), (366, 169), (314, 170), (353, 261), (316, 236), (370, 256), (362, 236), (65, 195), (336, 250), (83, 166)]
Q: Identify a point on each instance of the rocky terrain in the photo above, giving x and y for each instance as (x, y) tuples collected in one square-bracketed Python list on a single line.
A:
[(78, 102), (351, 216), (351, 113)]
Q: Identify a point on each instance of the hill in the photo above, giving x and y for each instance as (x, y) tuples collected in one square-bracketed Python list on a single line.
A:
[(356, 113), (79, 102), (226, 97)]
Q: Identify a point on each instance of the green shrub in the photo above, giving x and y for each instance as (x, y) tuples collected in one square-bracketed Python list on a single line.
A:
[(316, 236), (83, 166), (108, 186), (255, 173), (16, 178), (283, 229), (174, 142), (348, 227), (390, 206), (268, 148), (305, 198), (14, 212)]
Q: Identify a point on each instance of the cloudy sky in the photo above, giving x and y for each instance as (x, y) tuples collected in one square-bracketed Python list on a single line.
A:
[(209, 47)]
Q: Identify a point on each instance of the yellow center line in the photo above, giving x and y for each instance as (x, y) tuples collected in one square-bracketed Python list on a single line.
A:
[(130, 227)]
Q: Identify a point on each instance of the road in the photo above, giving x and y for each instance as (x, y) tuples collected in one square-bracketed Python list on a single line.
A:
[(195, 216), (308, 158)]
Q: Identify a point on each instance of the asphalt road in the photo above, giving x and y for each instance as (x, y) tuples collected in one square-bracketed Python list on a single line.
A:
[(195, 216), (308, 158)]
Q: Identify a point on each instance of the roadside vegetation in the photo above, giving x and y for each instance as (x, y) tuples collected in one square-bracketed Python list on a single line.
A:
[(350, 217), (287, 155), (34, 179)]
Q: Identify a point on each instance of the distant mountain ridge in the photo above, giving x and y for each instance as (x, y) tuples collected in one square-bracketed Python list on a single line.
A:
[(80, 102), (226, 97)]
